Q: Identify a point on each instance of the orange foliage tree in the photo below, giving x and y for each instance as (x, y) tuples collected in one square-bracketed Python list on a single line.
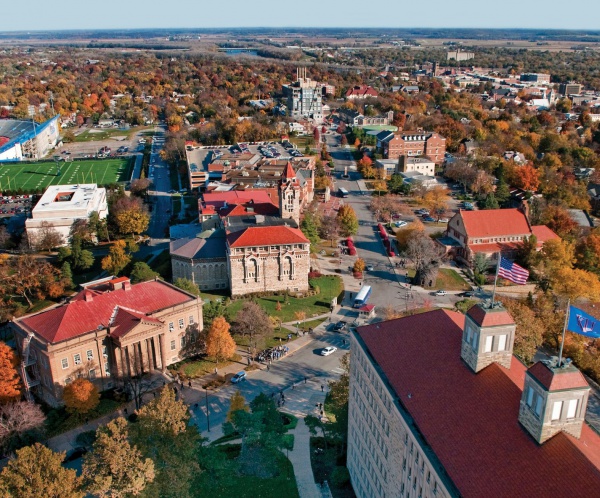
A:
[(81, 396), (219, 343), (9, 377), (527, 177)]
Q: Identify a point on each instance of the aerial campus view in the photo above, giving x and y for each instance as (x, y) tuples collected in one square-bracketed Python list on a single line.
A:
[(309, 251)]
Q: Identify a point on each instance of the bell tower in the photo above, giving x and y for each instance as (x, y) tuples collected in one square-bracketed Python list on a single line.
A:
[(289, 195), (488, 336), (554, 399)]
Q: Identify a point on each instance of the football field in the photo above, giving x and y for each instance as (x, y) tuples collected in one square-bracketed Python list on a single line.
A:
[(32, 177)]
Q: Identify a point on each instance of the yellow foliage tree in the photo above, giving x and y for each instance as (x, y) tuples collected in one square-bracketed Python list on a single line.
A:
[(219, 343), (237, 403), (436, 200), (575, 284), (405, 234), (9, 377), (81, 396), (117, 258)]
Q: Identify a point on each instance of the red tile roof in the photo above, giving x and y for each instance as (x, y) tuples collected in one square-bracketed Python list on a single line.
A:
[(81, 316), (288, 172), (470, 420), (543, 233), (126, 319), (362, 91), (557, 379), (495, 223), (266, 236), (214, 201), (489, 318)]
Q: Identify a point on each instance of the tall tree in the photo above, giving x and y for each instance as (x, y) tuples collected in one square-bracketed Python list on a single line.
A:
[(115, 467), (337, 403), (310, 227), (219, 343), (426, 256), (141, 272), (48, 237), (237, 402), (162, 433), (130, 216), (10, 382), (187, 285), (252, 322), (117, 258), (436, 200), (330, 228), (37, 471), (81, 396), (80, 258), (529, 334), (348, 220)]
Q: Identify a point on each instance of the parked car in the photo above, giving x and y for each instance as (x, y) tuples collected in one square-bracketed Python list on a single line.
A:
[(369, 268), (400, 224), (440, 293), (467, 294), (428, 219), (238, 377), (443, 220), (327, 351), (339, 326)]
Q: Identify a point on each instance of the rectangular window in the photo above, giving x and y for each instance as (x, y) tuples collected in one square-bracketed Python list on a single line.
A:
[(104, 352), (502, 342), (556, 409), (173, 345), (572, 408), (65, 363), (92, 373), (191, 319), (171, 326), (475, 341), (530, 396), (77, 359), (538, 406), (89, 355), (181, 323), (488, 344)]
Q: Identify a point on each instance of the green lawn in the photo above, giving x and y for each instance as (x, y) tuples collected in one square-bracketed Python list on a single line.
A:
[(244, 486), (32, 177), (330, 287), (450, 280), (100, 134)]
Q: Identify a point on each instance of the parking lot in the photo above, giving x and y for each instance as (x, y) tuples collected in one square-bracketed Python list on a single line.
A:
[(18, 204)]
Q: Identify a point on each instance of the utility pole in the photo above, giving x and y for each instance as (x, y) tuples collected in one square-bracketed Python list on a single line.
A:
[(207, 409)]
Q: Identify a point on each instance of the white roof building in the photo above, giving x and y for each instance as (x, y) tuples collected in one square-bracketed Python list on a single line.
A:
[(62, 205)]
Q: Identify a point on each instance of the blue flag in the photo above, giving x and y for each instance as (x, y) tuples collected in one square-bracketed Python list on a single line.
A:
[(582, 323)]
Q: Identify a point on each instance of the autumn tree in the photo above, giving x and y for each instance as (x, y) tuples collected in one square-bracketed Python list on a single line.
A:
[(359, 265), (140, 186), (252, 322), (436, 200), (219, 343), (527, 177), (10, 382), (48, 237), (559, 221), (81, 396), (115, 467), (117, 258), (329, 228), (162, 433), (386, 206), (37, 471), (529, 334), (237, 402), (426, 256), (21, 423), (348, 220), (575, 284), (130, 216)]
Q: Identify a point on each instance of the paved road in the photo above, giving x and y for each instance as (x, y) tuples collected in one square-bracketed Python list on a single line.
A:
[(305, 362), (160, 198)]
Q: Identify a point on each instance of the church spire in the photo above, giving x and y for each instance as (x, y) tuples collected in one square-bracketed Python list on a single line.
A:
[(288, 173)]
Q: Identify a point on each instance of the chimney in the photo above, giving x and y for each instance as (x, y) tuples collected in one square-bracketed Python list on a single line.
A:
[(127, 285), (88, 296)]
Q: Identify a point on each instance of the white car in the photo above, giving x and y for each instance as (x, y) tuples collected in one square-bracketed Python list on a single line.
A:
[(400, 224), (328, 350), (440, 293)]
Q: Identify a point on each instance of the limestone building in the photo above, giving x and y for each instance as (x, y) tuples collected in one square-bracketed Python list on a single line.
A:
[(439, 407), (108, 331), (62, 205), (429, 144), (304, 97)]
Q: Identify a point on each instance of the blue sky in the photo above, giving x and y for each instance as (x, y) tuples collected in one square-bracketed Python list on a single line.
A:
[(109, 14)]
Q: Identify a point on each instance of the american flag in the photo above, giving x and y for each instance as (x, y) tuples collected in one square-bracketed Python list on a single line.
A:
[(512, 271)]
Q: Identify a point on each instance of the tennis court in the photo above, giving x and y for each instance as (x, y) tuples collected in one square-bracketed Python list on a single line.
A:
[(32, 177)]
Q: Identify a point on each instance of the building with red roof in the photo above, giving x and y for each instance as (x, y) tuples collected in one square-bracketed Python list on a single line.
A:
[(361, 92), (491, 231), (439, 406), (108, 331)]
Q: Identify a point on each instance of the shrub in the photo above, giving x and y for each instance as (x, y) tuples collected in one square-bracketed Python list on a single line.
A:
[(340, 477), (314, 274)]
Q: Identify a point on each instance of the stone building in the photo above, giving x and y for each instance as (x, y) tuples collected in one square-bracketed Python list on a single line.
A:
[(439, 407), (268, 259), (110, 330), (201, 259), (393, 145)]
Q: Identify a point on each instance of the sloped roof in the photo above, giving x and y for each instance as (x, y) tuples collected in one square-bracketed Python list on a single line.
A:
[(199, 247), (489, 317), (125, 320), (556, 379), (469, 420), (494, 223), (80, 316), (543, 233), (266, 236)]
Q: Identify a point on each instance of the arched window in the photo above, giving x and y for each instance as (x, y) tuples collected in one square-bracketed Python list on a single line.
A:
[(251, 269), (287, 267)]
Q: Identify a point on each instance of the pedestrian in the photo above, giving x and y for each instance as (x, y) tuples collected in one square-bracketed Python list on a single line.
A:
[(293, 386), (175, 389), (305, 380), (154, 394), (322, 388), (125, 411), (190, 384), (278, 403), (268, 367), (321, 413)]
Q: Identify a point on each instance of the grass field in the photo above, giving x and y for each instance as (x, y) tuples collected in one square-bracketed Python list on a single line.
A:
[(32, 177), (98, 134)]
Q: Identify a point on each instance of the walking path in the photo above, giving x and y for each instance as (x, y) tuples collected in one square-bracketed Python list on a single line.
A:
[(300, 458)]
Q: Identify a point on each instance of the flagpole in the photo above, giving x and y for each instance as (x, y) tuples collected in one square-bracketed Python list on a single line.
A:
[(496, 279), (562, 343)]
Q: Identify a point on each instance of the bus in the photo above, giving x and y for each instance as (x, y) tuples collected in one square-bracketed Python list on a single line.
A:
[(343, 192), (362, 297)]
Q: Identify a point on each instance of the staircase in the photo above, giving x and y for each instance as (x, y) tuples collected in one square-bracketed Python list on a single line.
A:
[(26, 361)]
